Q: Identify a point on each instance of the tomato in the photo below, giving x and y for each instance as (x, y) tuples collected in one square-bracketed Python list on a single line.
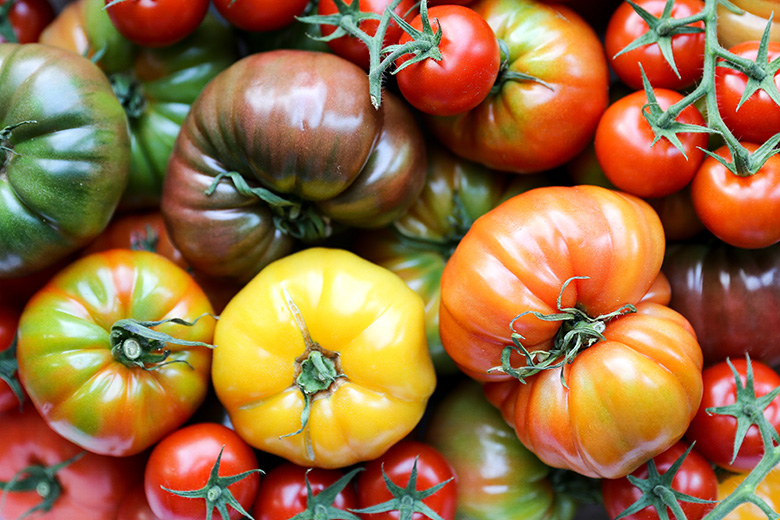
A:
[(134, 505), (156, 23), (714, 433), (11, 394), (735, 28), (758, 118), (741, 211), (284, 492), (202, 457), (85, 486), (53, 200), (260, 15), (728, 294), (623, 146), (695, 477), (498, 478), (434, 485), (25, 20), (768, 490), (352, 48), (316, 378), (531, 126), (463, 77), (92, 370), (626, 25), (233, 203), (678, 215)]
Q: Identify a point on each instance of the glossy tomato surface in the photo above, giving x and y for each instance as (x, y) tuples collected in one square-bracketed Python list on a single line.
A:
[(260, 15), (26, 20), (156, 23)]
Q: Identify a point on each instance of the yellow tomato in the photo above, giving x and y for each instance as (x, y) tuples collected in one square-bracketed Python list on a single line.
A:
[(749, 25), (768, 489), (354, 329)]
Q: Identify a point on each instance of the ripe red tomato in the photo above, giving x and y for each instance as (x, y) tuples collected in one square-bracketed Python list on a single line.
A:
[(758, 118), (156, 23), (134, 505), (714, 433), (397, 463), (352, 48), (695, 478), (626, 25), (623, 139), (26, 18), (9, 396), (260, 15), (468, 68), (283, 492), (741, 211), (183, 460)]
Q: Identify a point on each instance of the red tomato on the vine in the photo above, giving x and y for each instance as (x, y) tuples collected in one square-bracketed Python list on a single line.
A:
[(432, 469), (183, 460), (623, 139), (626, 25), (467, 71), (260, 15), (156, 23), (714, 433), (758, 118), (27, 19)]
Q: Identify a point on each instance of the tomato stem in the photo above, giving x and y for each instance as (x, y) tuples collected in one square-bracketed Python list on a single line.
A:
[(9, 367), (6, 146), (130, 94)]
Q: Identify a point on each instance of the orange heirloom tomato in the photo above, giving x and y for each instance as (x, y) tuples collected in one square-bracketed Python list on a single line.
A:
[(323, 359), (585, 255), (100, 358)]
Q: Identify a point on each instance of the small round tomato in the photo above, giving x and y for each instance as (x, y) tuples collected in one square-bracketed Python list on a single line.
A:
[(156, 23), (462, 79), (260, 15), (626, 25), (623, 147), (695, 478), (398, 464), (352, 48), (184, 460), (758, 118), (741, 211), (284, 492), (26, 19), (714, 433)]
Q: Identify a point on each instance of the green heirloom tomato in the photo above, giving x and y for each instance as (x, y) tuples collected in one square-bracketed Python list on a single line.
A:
[(156, 86), (283, 148), (64, 155), (498, 478)]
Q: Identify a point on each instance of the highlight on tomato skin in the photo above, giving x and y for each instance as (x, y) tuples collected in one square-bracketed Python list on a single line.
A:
[(26, 19), (157, 23)]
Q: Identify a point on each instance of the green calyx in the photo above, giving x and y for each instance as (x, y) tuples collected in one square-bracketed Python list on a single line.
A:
[(7, 33), (216, 492), (505, 74), (408, 500), (320, 506), (578, 332), (292, 217), (130, 94), (9, 367), (41, 479), (136, 344), (6, 146)]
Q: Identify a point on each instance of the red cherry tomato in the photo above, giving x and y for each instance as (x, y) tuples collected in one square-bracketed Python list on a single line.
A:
[(156, 23), (626, 25), (714, 433), (260, 15), (468, 68), (623, 139), (27, 19), (758, 118), (183, 460)]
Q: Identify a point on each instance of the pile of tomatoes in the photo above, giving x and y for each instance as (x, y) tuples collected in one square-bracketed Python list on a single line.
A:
[(476, 260)]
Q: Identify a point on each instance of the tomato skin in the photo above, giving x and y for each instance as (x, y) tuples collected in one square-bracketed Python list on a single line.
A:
[(734, 29), (134, 505), (92, 487), (695, 478), (623, 139), (353, 49), (714, 433), (527, 127), (768, 490), (73, 378), (397, 463), (462, 79), (157, 23), (183, 460), (741, 211), (28, 19), (758, 118), (626, 25), (9, 320), (260, 15), (283, 493)]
